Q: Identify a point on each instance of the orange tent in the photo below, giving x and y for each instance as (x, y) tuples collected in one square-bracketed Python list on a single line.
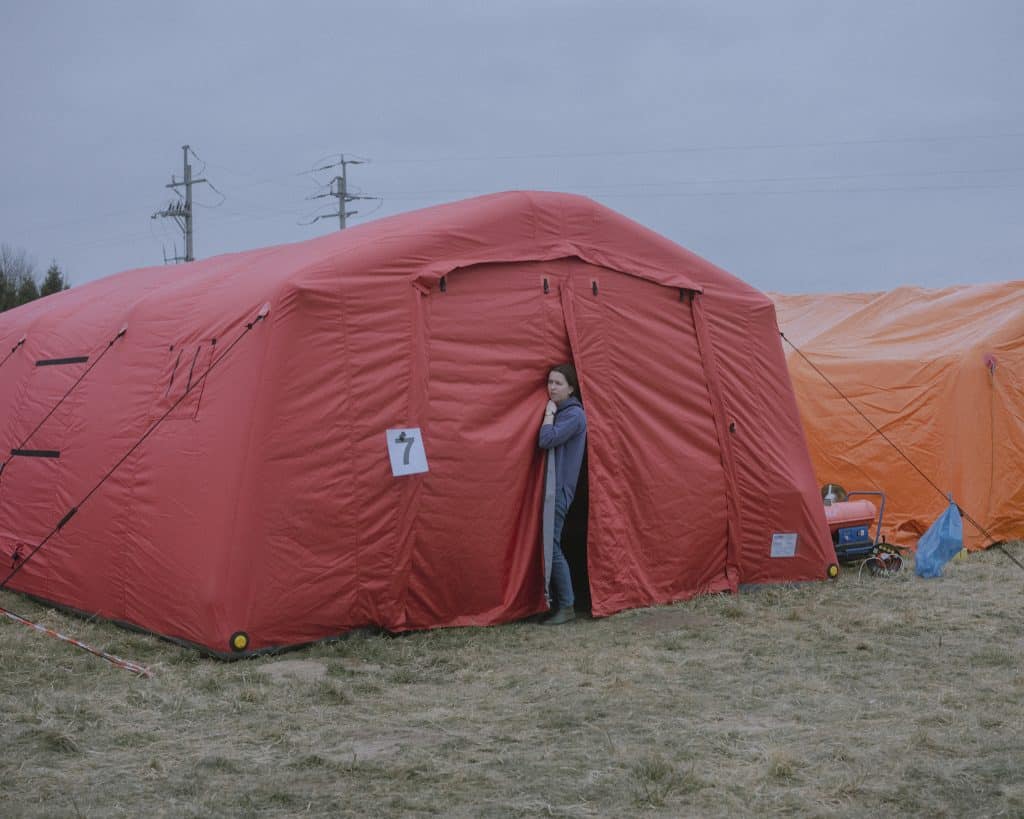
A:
[(941, 374)]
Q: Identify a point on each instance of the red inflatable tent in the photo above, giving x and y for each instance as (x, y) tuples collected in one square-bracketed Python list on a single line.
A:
[(203, 451)]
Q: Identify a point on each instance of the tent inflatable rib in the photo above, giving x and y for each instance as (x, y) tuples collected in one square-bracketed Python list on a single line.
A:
[(226, 453)]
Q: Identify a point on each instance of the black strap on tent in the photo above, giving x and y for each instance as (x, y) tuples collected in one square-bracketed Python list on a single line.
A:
[(170, 382), (906, 457), (45, 362), (57, 362), (152, 428), (14, 349)]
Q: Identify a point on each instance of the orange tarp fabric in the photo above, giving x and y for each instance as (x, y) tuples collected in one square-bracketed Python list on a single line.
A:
[(941, 373)]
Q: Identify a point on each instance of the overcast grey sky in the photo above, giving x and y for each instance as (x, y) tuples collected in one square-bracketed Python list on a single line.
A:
[(804, 146)]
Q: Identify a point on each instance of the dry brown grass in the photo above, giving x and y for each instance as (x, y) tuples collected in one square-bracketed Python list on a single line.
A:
[(860, 697)]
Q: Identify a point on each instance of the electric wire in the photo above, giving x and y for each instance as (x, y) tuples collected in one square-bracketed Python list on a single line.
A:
[(906, 457), (223, 197), (192, 151), (280, 178), (608, 192), (380, 204), (708, 148), (752, 180), (200, 172), (336, 157)]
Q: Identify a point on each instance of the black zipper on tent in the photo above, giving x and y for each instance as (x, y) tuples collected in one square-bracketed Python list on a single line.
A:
[(593, 286), (174, 369), (202, 389), (191, 370), (120, 334), (547, 288), (264, 311), (56, 362), (35, 453), (444, 284), (906, 457), (14, 349)]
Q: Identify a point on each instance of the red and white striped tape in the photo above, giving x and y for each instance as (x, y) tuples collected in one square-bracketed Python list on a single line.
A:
[(127, 665)]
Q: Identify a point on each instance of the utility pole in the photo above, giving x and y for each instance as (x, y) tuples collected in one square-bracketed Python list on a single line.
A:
[(339, 189), (181, 211)]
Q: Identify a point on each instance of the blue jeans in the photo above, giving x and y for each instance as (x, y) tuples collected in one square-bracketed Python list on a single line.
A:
[(561, 579)]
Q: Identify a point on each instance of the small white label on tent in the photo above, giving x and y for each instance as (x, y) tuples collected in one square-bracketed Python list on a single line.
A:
[(405, 448), (784, 544)]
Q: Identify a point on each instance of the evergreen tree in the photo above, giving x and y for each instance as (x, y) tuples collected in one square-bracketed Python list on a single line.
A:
[(54, 281), (27, 290), (8, 294), (18, 284)]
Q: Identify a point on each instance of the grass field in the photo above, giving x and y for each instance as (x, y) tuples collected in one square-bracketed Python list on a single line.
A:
[(864, 696)]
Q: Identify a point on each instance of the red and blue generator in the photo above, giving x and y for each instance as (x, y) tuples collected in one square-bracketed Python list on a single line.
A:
[(850, 523)]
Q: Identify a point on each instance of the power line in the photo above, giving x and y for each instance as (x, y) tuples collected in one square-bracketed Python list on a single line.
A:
[(651, 190), (263, 214), (421, 194), (685, 149), (749, 180), (610, 192)]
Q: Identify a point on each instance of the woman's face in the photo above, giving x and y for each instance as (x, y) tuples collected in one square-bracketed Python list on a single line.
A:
[(558, 387)]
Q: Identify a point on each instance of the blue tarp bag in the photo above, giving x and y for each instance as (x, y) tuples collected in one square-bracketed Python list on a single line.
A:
[(940, 544)]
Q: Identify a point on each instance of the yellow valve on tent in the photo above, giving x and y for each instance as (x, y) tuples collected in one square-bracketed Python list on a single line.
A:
[(239, 641), (833, 571)]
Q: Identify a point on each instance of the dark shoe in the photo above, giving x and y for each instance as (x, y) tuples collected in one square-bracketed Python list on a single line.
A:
[(560, 617)]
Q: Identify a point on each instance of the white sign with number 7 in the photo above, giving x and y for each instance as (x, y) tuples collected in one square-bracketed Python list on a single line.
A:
[(405, 448)]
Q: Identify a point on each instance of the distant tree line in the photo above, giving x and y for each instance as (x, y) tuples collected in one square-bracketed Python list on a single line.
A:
[(18, 282)]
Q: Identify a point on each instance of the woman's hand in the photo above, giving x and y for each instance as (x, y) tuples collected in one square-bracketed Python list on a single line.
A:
[(549, 413)]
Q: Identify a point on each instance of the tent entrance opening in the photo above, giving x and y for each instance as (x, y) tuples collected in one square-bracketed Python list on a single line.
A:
[(574, 540)]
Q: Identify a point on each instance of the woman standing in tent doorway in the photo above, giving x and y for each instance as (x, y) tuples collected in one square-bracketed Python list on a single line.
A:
[(564, 434)]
